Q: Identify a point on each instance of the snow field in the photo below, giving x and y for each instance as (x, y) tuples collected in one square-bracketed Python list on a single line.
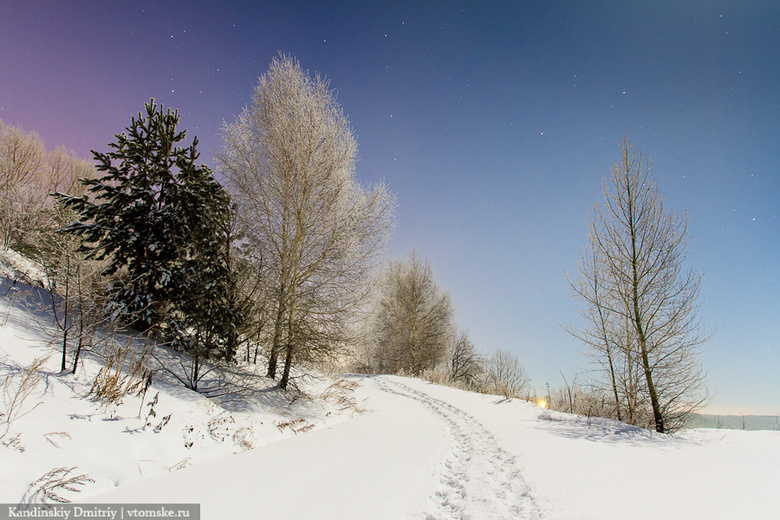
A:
[(422, 451), (414, 451), (608, 470), (376, 465)]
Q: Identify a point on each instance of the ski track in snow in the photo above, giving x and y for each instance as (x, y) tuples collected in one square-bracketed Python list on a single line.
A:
[(478, 478)]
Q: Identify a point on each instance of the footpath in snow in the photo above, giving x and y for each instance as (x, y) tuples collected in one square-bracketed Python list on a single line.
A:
[(409, 455)]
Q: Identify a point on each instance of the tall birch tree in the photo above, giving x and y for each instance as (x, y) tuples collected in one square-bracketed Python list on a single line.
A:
[(289, 160)]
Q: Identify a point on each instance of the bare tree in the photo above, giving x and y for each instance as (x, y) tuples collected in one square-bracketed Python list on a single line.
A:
[(77, 288), (63, 172), (79, 299), (505, 375), (289, 159), (641, 306), (413, 322), (465, 363)]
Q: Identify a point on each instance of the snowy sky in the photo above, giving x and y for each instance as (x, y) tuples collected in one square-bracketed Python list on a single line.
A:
[(494, 124)]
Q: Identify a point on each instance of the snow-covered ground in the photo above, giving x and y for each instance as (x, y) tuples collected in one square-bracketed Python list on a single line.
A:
[(167, 429), (414, 451), (430, 452)]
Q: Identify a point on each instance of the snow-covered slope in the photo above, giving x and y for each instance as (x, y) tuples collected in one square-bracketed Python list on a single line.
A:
[(415, 451), (167, 429)]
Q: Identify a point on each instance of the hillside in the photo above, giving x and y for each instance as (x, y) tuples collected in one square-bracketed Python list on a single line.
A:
[(60, 424)]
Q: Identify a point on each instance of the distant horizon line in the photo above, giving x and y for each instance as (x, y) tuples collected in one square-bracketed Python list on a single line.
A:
[(730, 412)]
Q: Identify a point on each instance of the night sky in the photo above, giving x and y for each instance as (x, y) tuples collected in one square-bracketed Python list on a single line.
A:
[(493, 122)]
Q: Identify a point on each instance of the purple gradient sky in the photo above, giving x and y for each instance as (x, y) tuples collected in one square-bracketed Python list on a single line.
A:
[(493, 123)]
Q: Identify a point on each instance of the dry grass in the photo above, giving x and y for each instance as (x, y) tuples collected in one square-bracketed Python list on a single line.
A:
[(341, 393), (296, 425), (16, 389), (48, 488), (123, 373)]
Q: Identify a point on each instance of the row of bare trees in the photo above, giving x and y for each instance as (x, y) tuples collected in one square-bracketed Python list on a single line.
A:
[(412, 331), (640, 311), (28, 176), (30, 219)]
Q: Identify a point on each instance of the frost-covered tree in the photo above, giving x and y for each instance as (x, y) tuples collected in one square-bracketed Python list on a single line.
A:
[(29, 220), (22, 157), (157, 217), (413, 320), (640, 304), (28, 175), (289, 159)]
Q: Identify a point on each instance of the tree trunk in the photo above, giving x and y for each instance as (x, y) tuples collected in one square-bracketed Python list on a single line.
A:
[(657, 416), (291, 339), (276, 347), (614, 386), (287, 365)]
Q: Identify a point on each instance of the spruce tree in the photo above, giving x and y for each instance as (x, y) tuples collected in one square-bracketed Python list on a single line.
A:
[(205, 318), (160, 219)]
